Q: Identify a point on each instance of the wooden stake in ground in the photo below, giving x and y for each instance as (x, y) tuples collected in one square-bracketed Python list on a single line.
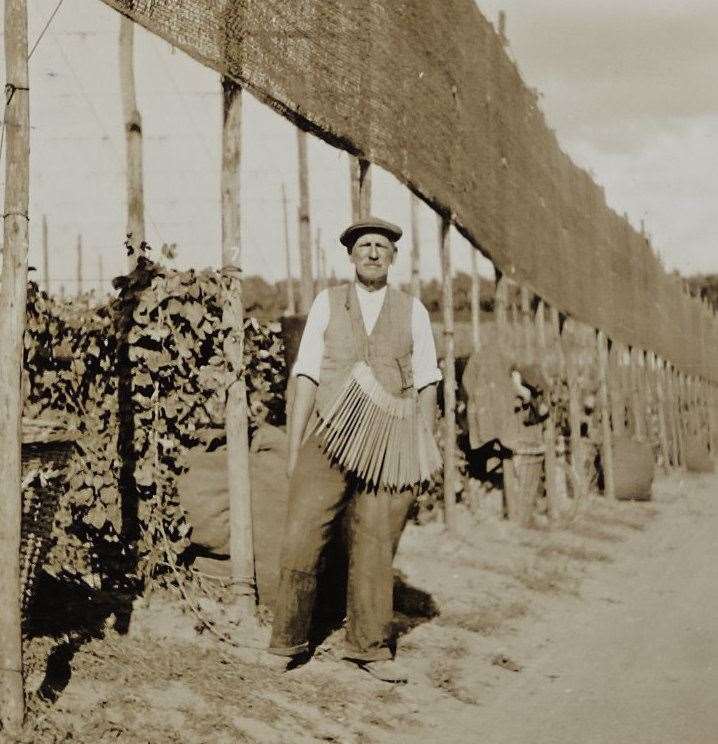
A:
[(451, 515), (475, 301), (100, 277), (575, 405), (526, 322), (291, 306), (500, 307), (637, 394), (13, 295), (240, 503), (656, 367), (45, 258), (415, 247), (306, 294), (603, 402), (133, 133), (360, 183), (321, 263), (553, 471), (79, 279)]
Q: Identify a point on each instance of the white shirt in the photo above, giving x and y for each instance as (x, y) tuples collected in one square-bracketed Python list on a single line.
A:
[(311, 347)]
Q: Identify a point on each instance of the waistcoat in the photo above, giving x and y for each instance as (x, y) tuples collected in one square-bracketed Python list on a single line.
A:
[(387, 349)]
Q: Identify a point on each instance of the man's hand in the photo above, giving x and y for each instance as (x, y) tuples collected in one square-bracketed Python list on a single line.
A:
[(305, 392)]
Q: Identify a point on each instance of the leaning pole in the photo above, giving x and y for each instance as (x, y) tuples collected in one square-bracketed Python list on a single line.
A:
[(236, 424), (13, 298)]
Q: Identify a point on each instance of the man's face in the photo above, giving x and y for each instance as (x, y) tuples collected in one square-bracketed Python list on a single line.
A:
[(372, 255)]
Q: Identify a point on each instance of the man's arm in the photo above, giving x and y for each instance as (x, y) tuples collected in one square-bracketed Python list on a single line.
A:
[(427, 405), (304, 394), (305, 375)]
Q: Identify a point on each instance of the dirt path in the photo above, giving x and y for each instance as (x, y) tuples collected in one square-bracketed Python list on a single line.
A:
[(638, 660), (612, 622)]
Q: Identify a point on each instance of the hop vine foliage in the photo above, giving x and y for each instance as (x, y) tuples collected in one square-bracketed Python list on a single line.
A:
[(141, 381)]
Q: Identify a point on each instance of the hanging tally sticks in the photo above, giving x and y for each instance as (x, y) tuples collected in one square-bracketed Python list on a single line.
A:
[(380, 438)]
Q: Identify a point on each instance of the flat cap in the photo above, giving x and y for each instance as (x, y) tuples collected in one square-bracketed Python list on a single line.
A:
[(369, 225)]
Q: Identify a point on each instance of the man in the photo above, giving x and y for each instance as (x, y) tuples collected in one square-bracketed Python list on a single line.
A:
[(366, 347)]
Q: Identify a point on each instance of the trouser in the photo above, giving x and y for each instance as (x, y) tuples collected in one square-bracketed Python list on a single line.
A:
[(319, 494)]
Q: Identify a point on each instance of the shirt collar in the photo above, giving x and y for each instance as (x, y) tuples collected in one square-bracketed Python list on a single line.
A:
[(379, 293)]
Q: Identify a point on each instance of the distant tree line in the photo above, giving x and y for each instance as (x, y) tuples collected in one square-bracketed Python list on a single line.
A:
[(266, 300), (704, 285)]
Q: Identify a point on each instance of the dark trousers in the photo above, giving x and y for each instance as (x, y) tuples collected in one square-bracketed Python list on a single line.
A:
[(318, 497)]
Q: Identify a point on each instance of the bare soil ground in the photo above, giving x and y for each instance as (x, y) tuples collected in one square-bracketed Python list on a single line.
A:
[(604, 631)]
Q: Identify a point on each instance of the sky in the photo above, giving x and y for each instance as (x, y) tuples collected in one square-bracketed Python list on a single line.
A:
[(629, 88)]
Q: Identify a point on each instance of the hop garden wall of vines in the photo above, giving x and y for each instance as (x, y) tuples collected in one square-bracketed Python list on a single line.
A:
[(141, 381)]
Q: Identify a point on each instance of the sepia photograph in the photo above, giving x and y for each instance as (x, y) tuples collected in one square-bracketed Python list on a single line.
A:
[(359, 372)]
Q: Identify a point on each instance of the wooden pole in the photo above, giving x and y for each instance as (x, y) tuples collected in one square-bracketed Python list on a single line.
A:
[(451, 515), (674, 382), (415, 247), (575, 405), (79, 279), (240, 503), (637, 413), (526, 322), (656, 366), (554, 470), (500, 308), (607, 436), (45, 257), (100, 276), (133, 134), (360, 184), (13, 296), (306, 293), (291, 306), (321, 262), (475, 301)]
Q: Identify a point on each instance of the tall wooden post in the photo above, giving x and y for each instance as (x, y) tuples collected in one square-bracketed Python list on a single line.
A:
[(656, 367), (635, 387), (475, 301), (607, 437), (675, 393), (79, 278), (133, 133), (291, 306), (100, 277), (451, 515), (555, 475), (13, 295), (415, 247), (240, 503), (306, 293), (578, 454), (321, 263), (526, 322), (500, 312), (45, 257), (360, 184)]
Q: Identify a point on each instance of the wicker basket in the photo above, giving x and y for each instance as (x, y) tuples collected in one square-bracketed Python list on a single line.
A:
[(43, 446)]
